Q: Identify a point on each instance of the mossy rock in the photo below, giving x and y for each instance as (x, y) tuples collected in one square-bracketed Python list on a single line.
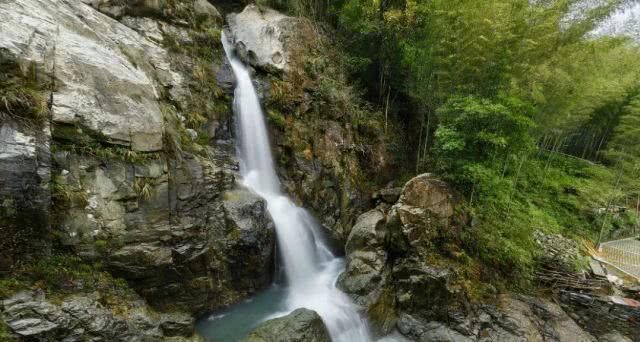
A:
[(302, 325)]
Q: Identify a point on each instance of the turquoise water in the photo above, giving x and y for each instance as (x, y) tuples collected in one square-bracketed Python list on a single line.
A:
[(237, 321)]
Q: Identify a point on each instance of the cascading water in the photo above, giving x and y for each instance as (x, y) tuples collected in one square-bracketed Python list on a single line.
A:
[(310, 267)]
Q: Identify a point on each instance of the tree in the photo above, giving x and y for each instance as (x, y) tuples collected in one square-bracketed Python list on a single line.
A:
[(476, 134)]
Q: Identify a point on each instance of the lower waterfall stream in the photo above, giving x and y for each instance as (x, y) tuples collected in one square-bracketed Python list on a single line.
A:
[(310, 268)]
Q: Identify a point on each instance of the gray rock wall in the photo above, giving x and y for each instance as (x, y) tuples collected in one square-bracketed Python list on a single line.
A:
[(24, 191), (142, 172)]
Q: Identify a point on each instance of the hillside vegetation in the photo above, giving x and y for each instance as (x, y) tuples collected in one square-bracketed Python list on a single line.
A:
[(532, 117)]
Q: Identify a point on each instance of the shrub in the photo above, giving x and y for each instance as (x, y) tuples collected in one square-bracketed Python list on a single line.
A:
[(475, 136), (20, 93)]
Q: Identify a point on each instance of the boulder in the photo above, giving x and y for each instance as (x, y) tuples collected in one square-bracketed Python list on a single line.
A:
[(250, 244), (427, 192), (260, 36), (388, 253), (424, 211), (366, 258), (208, 263), (204, 8), (302, 325)]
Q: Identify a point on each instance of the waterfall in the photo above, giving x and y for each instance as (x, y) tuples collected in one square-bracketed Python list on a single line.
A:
[(310, 267)]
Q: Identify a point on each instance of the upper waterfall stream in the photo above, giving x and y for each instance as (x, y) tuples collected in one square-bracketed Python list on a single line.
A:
[(310, 268)]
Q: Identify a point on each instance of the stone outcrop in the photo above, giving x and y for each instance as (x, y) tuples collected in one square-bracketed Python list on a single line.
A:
[(389, 246), (367, 257), (152, 8), (512, 318), (103, 72), (138, 163), (324, 161), (424, 212), (260, 36), (302, 325), (32, 317), (395, 269)]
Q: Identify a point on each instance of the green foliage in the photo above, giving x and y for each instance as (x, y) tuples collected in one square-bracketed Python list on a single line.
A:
[(65, 195), (276, 118), (5, 334), (62, 274), (8, 286), (21, 93), (143, 186), (101, 245), (474, 133)]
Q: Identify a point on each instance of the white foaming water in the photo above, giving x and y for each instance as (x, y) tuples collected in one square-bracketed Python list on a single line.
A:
[(310, 268)]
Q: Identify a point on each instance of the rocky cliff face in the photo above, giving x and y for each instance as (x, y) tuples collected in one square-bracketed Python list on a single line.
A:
[(330, 146), (131, 162), (80, 317)]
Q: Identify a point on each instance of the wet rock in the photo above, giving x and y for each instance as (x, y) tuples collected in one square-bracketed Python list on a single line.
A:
[(159, 220), (250, 248), (366, 258), (225, 78), (301, 325), (25, 175)]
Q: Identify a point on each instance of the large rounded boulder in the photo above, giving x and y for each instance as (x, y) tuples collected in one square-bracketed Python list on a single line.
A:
[(302, 325)]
